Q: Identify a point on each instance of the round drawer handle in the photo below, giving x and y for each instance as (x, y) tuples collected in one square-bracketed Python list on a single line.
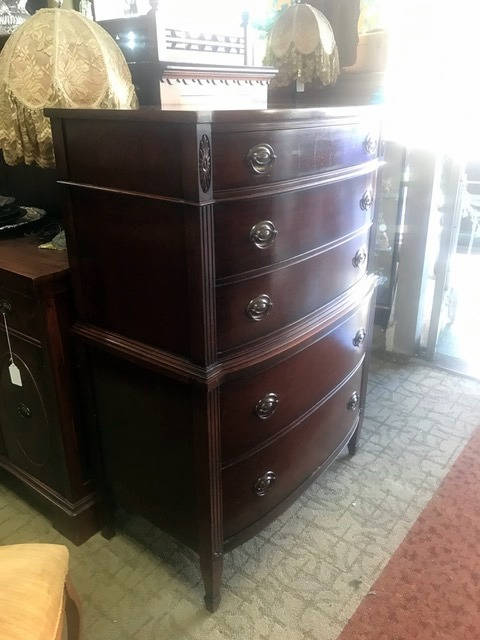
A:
[(266, 407), (260, 158), (353, 401), (5, 306), (359, 337), (264, 483), (259, 307), (370, 144), (359, 258), (263, 234), (367, 200), (24, 411)]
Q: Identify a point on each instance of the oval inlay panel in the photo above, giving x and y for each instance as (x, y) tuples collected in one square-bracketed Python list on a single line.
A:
[(23, 417)]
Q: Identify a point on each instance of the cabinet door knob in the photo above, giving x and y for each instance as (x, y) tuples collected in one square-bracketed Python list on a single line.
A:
[(266, 407), (370, 144), (24, 411), (259, 307), (263, 234), (5, 306), (359, 258), (260, 158), (366, 200), (264, 483), (359, 337), (353, 401)]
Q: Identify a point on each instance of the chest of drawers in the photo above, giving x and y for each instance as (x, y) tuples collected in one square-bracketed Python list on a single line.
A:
[(220, 271), (40, 438)]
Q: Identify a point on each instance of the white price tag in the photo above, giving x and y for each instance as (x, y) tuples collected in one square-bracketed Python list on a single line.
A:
[(13, 370), (15, 376)]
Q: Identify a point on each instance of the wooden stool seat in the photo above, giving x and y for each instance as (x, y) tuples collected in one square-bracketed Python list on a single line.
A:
[(34, 592)]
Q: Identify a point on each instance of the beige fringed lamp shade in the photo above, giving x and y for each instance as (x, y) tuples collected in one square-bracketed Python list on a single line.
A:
[(302, 47), (57, 58)]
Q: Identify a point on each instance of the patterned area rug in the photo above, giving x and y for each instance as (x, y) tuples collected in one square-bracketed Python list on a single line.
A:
[(304, 576), (430, 589)]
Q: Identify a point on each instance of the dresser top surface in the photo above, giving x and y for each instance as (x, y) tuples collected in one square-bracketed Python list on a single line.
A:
[(221, 117), (22, 257)]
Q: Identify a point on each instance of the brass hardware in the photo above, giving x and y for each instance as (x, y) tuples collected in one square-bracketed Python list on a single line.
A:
[(359, 337), (259, 307), (370, 144), (353, 401), (5, 306), (24, 411), (359, 258), (260, 158), (264, 483), (366, 200), (263, 234), (266, 407)]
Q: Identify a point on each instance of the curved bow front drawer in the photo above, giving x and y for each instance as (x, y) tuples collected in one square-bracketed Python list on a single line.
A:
[(252, 308), (246, 159), (254, 233), (256, 408), (254, 486)]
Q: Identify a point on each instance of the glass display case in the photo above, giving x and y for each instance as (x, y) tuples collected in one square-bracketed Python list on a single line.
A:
[(391, 197)]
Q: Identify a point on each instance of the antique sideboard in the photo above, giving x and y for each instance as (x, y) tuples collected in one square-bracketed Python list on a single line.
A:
[(223, 304), (41, 442)]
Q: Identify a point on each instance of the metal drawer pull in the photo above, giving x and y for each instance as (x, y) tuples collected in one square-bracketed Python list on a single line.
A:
[(264, 483), (359, 337), (266, 407), (260, 158), (367, 200), (370, 144), (5, 306), (353, 401), (263, 234), (259, 307), (24, 411), (359, 258)]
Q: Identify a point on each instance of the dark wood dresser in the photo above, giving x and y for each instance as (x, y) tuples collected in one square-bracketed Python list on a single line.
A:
[(39, 435), (220, 270)]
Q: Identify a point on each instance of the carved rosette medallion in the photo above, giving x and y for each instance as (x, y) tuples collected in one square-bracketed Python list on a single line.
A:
[(205, 163)]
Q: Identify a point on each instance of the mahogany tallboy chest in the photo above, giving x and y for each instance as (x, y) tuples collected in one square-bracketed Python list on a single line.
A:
[(220, 271)]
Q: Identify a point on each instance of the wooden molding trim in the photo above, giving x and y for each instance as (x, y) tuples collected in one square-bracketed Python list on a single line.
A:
[(283, 186), (72, 509), (211, 73)]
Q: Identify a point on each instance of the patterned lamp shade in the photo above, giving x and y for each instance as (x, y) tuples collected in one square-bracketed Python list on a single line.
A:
[(57, 58), (302, 47)]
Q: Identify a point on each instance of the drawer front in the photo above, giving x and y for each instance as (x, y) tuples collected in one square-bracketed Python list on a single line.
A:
[(22, 313), (255, 409), (255, 233), (30, 431), (243, 159), (256, 485), (254, 307)]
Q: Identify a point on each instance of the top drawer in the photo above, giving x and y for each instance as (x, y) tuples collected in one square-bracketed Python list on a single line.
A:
[(23, 313), (246, 159)]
